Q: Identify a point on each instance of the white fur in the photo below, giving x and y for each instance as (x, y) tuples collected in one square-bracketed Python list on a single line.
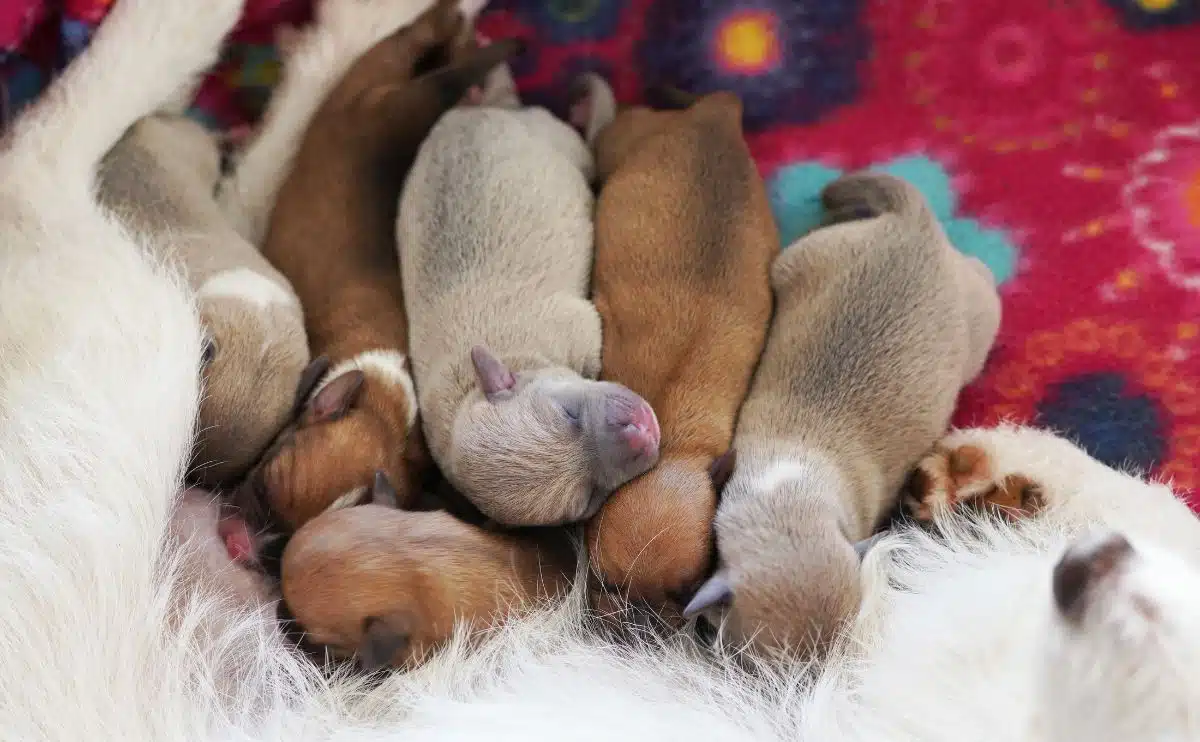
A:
[(388, 366), (102, 638), (249, 286), (316, 60)]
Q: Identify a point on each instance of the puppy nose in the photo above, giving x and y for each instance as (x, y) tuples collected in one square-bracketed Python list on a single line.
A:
[(641, 433), (1082, 566)]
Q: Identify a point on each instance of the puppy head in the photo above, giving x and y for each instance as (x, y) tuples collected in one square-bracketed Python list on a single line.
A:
[(347, 435), (547, 447), (1124, 652), (255, 352), (787, 578), (220, 551), (387, 585), (652, 541)]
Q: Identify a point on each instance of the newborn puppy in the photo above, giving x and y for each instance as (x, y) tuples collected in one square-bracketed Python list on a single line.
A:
[(332, 232), (879, 323), (159, 180), (390, 585), (221, 551), (495, 236), (685, 297)]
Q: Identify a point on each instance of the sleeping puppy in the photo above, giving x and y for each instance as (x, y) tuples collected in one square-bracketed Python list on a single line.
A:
[(495, 239), (389, 586), (159, 180), (879, 323), (700, 272), (221, 551), (332, 233)]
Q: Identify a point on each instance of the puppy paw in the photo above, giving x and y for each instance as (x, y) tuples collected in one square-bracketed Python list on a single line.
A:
[(969, 470)]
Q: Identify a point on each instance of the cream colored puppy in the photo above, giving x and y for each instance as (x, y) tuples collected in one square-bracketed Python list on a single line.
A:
[(879, 322)]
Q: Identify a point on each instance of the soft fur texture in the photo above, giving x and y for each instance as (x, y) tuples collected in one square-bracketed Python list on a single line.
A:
[(879, 323), (160, 179), (684, 294), (332, 233), (104, 638), (495, 241)]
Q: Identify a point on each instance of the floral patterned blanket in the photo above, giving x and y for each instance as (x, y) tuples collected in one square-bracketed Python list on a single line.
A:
[(1058, 140)]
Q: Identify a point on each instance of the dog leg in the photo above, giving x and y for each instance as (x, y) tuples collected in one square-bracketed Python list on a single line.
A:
[(143, 54), (319, 57)]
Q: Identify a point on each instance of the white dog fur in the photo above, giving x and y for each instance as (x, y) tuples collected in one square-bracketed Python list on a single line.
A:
[(101, 640)]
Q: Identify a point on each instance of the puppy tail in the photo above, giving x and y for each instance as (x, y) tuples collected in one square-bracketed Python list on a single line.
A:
[(868, 194), (147, 54)]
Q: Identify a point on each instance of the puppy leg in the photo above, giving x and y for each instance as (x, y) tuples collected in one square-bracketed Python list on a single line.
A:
[(318, 58), (143, 54), (393, 106), (982, 305)]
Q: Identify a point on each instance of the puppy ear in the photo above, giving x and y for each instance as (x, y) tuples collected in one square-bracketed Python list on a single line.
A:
[(309, 378), (721, 469), (716, 591), (381, 640), (383, 493), (335, 398), (494, 377)]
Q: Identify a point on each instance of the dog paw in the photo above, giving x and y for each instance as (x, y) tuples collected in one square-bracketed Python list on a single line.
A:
[(968, 470)]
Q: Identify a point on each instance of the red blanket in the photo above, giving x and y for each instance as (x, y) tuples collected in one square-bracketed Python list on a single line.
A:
[(1058, 140)]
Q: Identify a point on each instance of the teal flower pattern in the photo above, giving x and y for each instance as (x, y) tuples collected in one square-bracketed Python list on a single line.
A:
[(795, 192)]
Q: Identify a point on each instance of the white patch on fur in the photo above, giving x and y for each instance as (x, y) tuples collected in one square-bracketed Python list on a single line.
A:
[(350, 499), (247, 285), (784, 470), (387, 366)]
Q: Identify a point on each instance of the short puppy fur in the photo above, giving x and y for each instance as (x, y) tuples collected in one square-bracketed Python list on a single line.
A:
[(495, 236), (879, 323), (159, 180), (332, 233), (389, 585), (685, 298)]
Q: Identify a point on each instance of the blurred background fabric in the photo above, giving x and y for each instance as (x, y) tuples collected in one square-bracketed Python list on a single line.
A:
[(1057, 140)]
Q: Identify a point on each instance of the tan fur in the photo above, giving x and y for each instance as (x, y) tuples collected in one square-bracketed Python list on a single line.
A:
[(159, 179), (417, 573), (879, 323), (495, 233), (684, 294), (332, 232)]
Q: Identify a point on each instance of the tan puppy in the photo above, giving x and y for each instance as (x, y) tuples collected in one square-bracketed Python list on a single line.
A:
[(332, 233), (159, 179), (390, 585), (879, 323), (495, 234), (685, 296)]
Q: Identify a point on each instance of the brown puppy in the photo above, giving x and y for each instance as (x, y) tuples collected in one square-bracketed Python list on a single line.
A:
[(700, 272), (389, 585), (332, 233)]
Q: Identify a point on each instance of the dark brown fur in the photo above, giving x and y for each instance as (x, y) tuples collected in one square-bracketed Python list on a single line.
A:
[(332, 233)]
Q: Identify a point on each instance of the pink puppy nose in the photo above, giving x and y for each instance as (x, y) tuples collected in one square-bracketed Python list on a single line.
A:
[(239, 544), (642, 434)]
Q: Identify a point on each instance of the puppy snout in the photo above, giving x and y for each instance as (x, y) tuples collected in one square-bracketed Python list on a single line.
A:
[(638, 427), (1083, 567)]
